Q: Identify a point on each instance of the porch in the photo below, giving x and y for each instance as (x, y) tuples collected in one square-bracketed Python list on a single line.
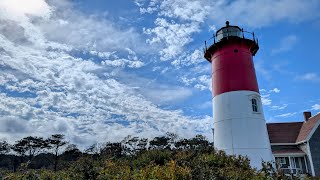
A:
[(292, 164)]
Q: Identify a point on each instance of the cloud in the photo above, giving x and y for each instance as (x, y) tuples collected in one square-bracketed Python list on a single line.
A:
[(167, 95), (89, 32), (264, 12), (286, 44), (172, 35), (11, 124), (265, 99), (260, 68), (189, 59), (58, 75), (275, 107), (205, 105), (316, 107), (15, 9), (177, 20), (266, 96), (202, 82), (175, 23), (274, 90), (286, 115), (185, 10), (309, 77)]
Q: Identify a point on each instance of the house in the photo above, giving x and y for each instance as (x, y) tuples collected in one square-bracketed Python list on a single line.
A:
[(296, 145)]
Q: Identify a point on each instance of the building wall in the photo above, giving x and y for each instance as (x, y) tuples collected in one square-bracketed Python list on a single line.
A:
[(314, 144), (238, 130)]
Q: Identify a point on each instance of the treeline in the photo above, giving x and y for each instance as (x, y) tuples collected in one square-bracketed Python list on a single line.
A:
[(164, 157)]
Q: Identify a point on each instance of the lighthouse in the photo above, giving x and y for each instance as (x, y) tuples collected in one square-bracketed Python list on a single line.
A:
[(239, 126)]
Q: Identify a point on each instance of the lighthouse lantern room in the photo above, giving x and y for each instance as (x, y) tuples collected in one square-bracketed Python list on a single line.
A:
[(239, 123)]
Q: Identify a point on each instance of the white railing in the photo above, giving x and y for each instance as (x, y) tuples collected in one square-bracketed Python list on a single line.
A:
[(292, 171)]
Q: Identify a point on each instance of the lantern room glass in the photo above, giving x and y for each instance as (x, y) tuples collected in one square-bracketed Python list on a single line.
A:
[(227, 32)]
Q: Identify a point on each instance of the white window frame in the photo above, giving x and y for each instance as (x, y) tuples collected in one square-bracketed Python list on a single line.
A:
[(259, 104), (254, 105)]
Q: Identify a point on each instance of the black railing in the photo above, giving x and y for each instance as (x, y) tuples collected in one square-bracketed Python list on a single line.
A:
[(225, 35)]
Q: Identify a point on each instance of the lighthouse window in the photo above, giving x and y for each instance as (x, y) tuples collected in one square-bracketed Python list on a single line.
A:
[(254, 105)]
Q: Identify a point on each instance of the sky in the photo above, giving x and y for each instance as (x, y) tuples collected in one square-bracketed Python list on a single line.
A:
[(99, 71)]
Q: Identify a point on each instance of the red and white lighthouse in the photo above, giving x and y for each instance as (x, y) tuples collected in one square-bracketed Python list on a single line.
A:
[(239, 125)]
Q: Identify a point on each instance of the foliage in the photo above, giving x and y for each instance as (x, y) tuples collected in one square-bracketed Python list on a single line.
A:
[(4, 147), (165, 157), (56, 142)]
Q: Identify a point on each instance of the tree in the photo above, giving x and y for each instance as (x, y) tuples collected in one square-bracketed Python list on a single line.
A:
[(20, 148), (71, 153), (160, 143), (130, 145), (172, 139), (199, 142), (142, 144), (30, 146), (112, 149), (4, 147), (34, 145), (56, 142)]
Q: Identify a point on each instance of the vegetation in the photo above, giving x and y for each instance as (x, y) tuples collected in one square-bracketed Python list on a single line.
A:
[(165, 157)]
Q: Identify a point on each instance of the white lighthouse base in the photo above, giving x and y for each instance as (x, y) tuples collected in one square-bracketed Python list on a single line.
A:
[(238, 129)]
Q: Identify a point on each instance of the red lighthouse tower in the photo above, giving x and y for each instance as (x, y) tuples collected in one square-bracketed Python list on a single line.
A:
[(239, 124)]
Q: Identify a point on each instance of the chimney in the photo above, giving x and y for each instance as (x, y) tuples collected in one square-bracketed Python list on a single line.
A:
[(306, 115)]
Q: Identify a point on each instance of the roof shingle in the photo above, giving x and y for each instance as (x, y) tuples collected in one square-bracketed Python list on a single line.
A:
[(284, 132), (293, 132), (307, 128)]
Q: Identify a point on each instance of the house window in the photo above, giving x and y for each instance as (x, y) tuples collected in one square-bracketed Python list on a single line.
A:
[(254, 105), (282, 160)]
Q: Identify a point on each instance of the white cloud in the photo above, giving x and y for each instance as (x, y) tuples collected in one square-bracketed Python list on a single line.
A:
[(188, 59), (90, 32), (176, 22), (202, 82), (316, 107), (213, 28), (76, 96), (277, 107), (286, 44), (286, 115), (185, 10), (123, 63), (260, 68), (167, 95), (173, 35), (265, 99), (264, 12), (309, 77), (266, 96), (275, 90), (188, 81), (17, 9), (205, 105), (148, 10)]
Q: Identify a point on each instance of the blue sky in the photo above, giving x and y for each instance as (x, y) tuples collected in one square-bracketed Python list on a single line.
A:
[(101, 70)]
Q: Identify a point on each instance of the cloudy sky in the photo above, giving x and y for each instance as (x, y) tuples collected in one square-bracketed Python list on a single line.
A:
[(101, 70)]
